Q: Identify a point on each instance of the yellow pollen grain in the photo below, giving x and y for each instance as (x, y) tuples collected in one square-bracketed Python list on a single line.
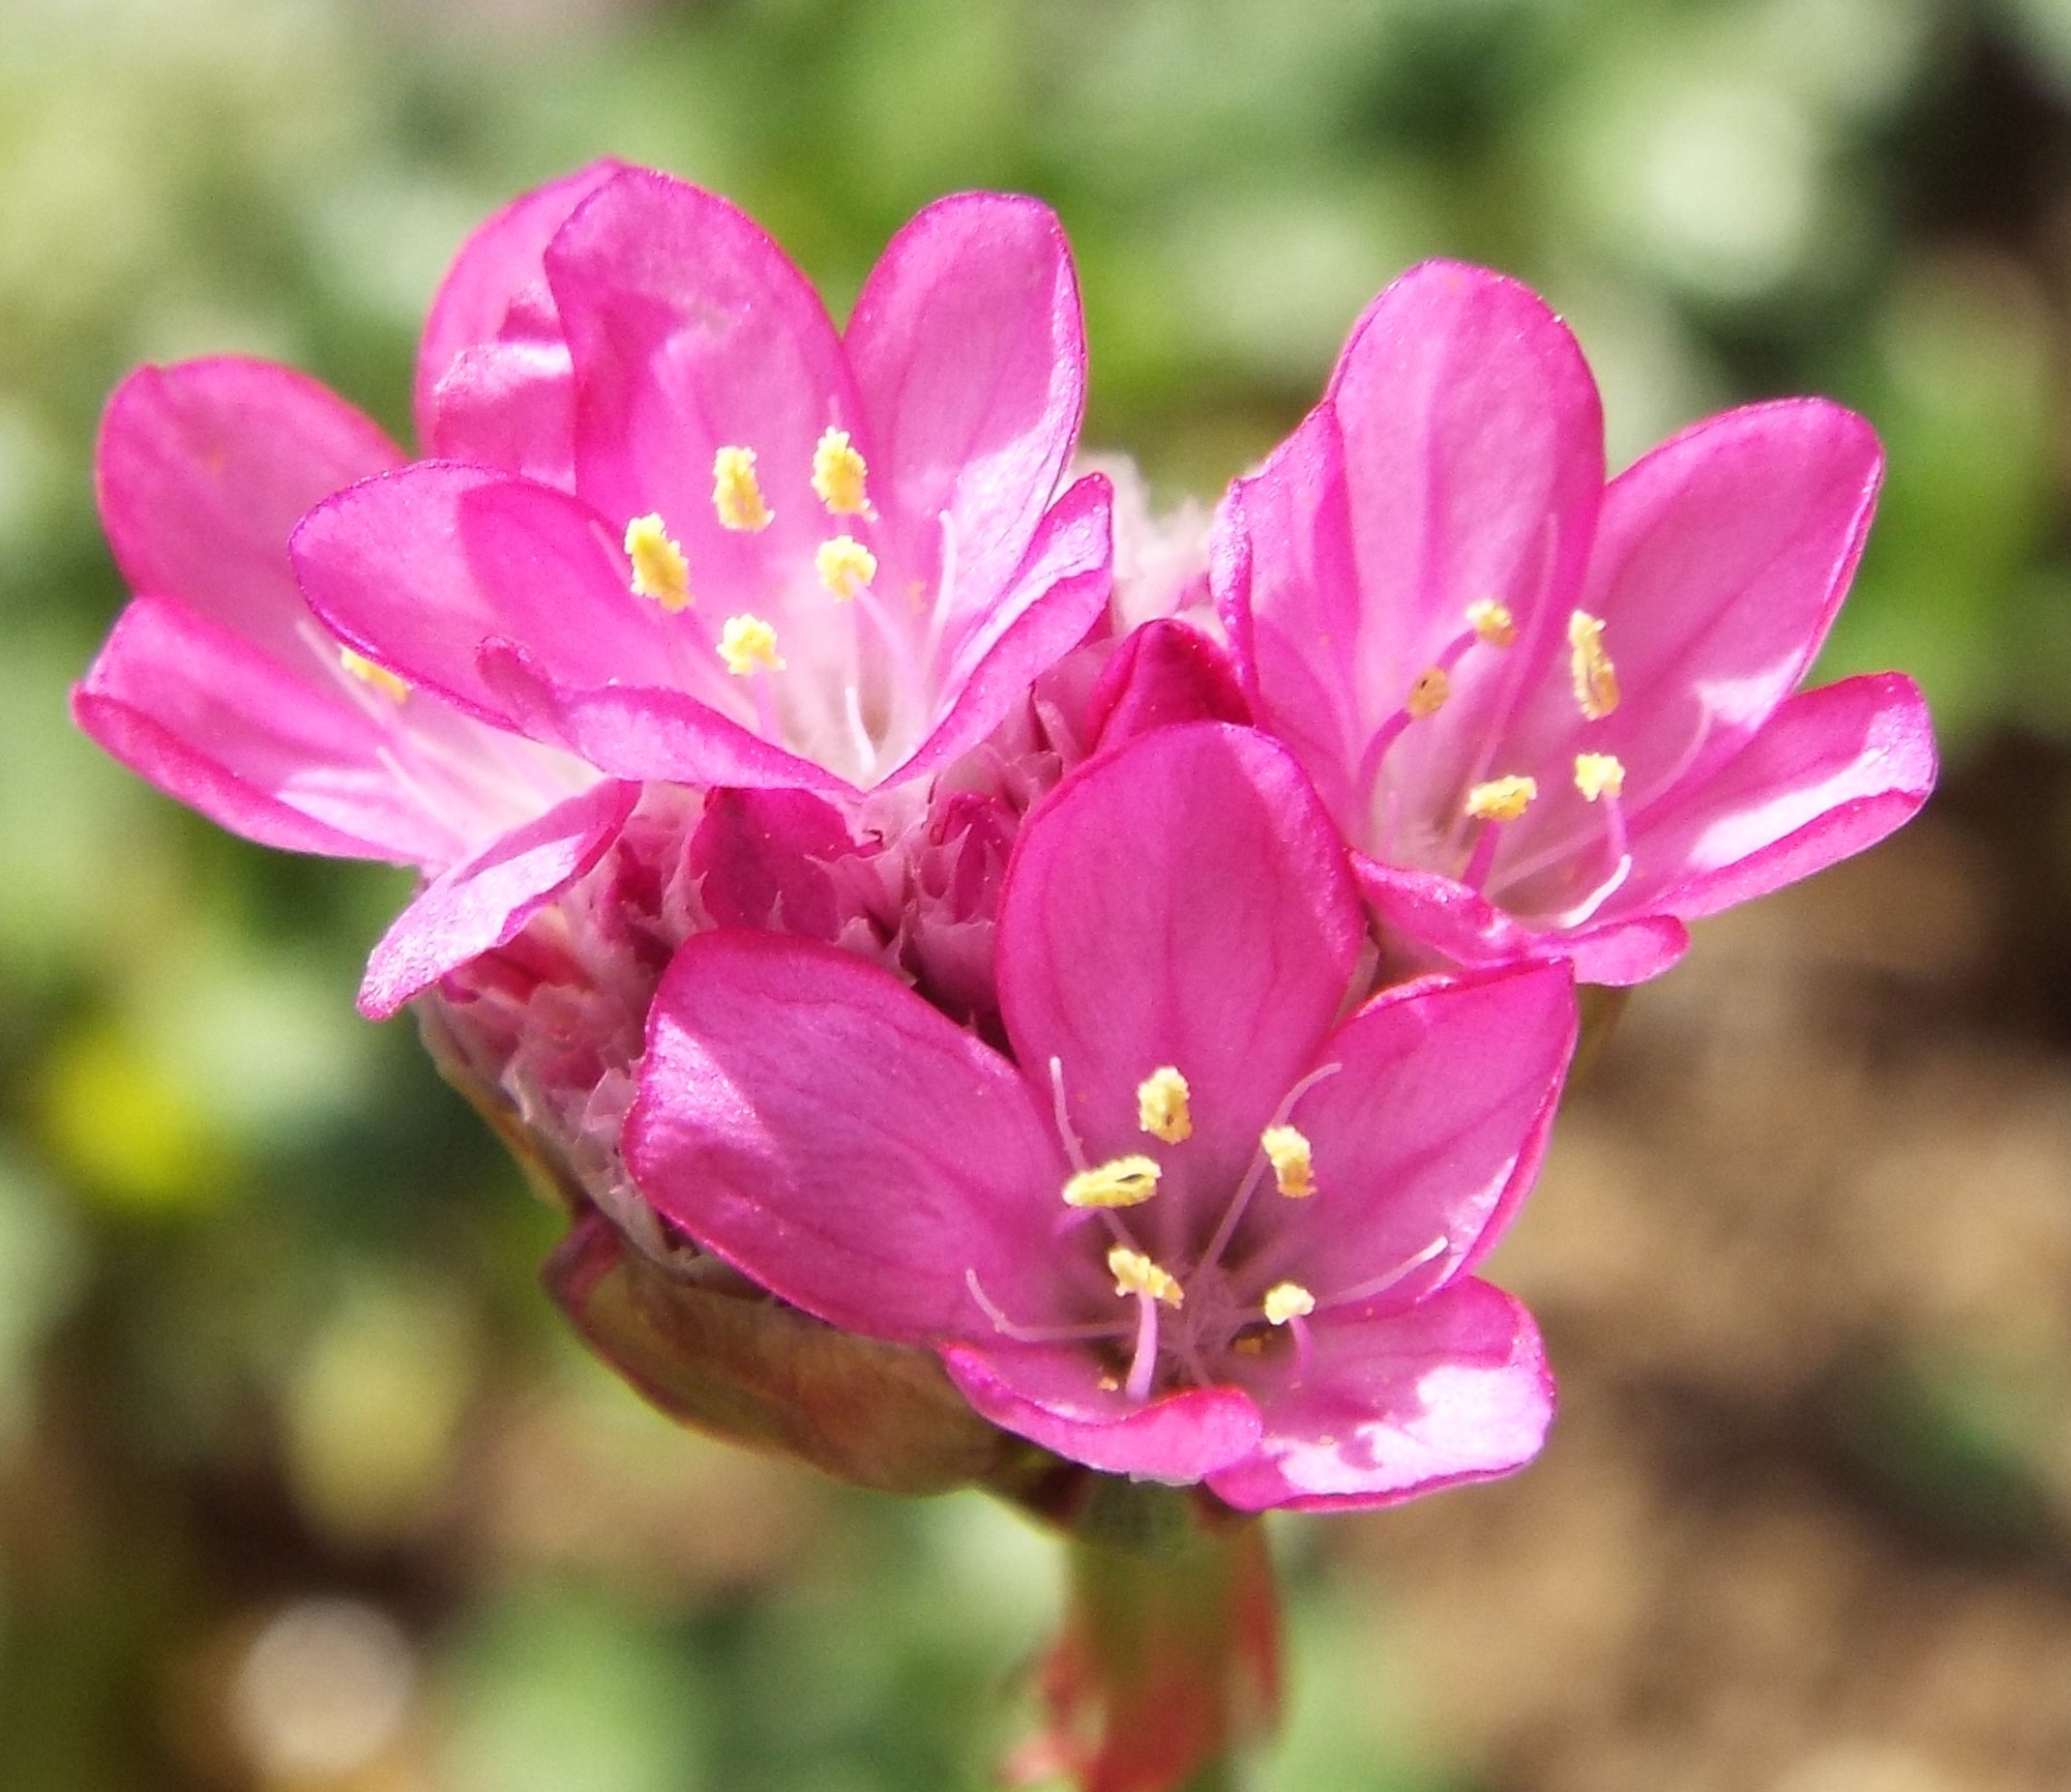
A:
[(748, 642), (1501, 799), (1287, 1299), (1427, 693), (1596, 679), (736, 495), (658, 569), (378, 676), (839, 475), (1599, 774), (1162, 1108), (1287, 1151), (1135, 1274), (1120, 1182), (1492, 622), (846, 567)]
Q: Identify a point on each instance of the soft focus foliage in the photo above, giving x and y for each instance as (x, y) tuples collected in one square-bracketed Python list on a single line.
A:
[(301, 1487)]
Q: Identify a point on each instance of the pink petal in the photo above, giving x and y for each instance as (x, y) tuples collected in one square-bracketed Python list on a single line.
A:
[(1454, 1390), (969, 355), (203, 470), (218, 725), (811, 1120), (422, 567), (691, 331), (1182, 901), (1164, 673), (1720, 562), (1444, 916), (1058, 594), (482, 904), (1833, 772), (761, 858), (1431, 1131), (1052, 1394), (509, 405), (495, 294), (1458, 456)]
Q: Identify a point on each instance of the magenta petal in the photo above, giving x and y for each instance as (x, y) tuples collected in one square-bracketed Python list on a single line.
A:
[(422, 567), (811, 1120), (970, 356), (761, 857), (1720, 561), (1056, 595), (1454, 1390), (691, 331), (1164, 673), (1444, 916), (217, 723), (1835, 769), (512, 406), (1430, 1130), (203, 470), (1184, 902), (496, 288), (1052, 1394), (646, 733), (477, 906)]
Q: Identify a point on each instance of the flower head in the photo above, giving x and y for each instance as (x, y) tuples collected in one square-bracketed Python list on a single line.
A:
[(1557, 718), (777, 555), (1272, 1297)]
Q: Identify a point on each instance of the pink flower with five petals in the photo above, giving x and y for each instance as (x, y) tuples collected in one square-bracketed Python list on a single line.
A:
[(1201, 1226), (1557, 718), (789, 557)]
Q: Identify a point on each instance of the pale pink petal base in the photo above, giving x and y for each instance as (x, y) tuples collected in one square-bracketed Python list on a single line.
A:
[(1454, 1389), (482, 904)]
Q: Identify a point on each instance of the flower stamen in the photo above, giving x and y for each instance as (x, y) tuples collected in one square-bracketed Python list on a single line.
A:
[(747, 644), (376, 677), (846, 567), (659, 569), (1595, 678), (1120, 1182), (736, 493), (1287, 1148), (1431, 689), (1498, 801), (1162, 1106), (839, 476)]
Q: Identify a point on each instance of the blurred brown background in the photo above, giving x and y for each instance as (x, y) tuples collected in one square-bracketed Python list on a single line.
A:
[(300, 1489)]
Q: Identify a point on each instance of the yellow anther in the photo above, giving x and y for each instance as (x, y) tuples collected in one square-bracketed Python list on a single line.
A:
[(735, 494), (1492, 622), (1596, 679), (1287, 1151), (658, 569), (839, 474), (1288, 1299), (1135, 1274), (748, 642), (1599, 774), (845, 566), (1501, 799), (378, 676), (1120, 1182), (1162, 1108), (1427, 693)]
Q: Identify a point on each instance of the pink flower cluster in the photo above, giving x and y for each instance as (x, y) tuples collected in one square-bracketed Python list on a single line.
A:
[(1130, 962)]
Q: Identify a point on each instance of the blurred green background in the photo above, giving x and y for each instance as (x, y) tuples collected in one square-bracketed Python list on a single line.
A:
[(302, 1490)]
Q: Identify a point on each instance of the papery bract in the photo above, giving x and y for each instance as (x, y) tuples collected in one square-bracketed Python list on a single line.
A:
[(788, 557), (1556, 719), (1180, 925)]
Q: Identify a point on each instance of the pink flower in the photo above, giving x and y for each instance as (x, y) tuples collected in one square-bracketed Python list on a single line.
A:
[(220, 687), (1198, 1227), (1555, 716), (782, 556)]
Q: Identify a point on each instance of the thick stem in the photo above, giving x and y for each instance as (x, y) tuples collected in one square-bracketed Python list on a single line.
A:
[(1169, 1668)]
